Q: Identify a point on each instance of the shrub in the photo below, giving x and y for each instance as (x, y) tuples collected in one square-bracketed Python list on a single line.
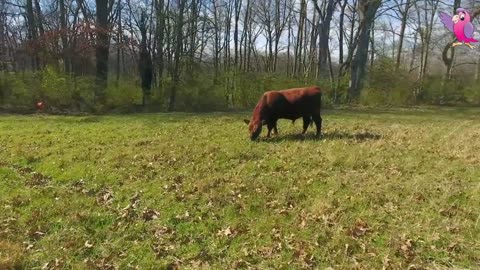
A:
[(83, 93), (14, 91), (440, 92), (55, 89), (127, 93), (388, 86), (472, 94)]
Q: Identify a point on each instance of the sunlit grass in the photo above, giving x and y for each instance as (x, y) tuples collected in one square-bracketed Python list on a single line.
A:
[(383, 188)]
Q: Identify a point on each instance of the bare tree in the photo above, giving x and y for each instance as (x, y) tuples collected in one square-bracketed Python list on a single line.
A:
[(366, 11), (341, 31), (160, 42), (325, 12), (178, 55), (32, 33), (63, 33), (402, 12), (102, 48), (145, 60), (119, 39), (426, 19), (300, 38)]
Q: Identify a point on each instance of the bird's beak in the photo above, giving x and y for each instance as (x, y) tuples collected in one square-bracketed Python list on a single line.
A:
[(455, 19)]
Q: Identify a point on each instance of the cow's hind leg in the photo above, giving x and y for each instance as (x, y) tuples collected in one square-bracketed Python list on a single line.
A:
[(318, 122), (306, 122)]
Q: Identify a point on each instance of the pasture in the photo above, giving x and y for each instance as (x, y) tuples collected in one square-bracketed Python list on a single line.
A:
[(392, 189)]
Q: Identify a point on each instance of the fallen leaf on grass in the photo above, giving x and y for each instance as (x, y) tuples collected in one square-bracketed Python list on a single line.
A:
[(266, 252), (105, 197), (103, 264), (407, 249), (129, 211), (54, 264), (359, 229), (161, 250), (303, 224), (88, 244), (162, 232), (29, 246), (453, 247), (386, 262), (37, 179), (36, 234), (453, 229), (450, 211), (173, 266), (150, 214), (226, 232), (184, 216)]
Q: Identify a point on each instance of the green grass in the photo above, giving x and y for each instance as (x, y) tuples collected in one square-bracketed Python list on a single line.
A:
[(389, 188)]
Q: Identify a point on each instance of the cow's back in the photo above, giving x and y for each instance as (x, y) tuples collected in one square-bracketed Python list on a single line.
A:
[(293, 103)]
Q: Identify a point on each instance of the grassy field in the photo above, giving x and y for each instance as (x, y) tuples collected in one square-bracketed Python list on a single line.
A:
[(392, 189)]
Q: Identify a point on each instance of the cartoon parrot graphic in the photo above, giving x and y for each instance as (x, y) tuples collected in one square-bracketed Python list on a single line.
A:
[(461, 26)]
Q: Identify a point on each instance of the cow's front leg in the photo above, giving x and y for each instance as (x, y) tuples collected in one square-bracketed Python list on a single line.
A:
[(275, 130), (270, 126)]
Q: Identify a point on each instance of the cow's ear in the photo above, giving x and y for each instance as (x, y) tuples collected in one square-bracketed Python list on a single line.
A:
[(246, 121)]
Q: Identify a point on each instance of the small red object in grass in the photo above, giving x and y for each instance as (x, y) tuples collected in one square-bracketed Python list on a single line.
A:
[(40, 105)]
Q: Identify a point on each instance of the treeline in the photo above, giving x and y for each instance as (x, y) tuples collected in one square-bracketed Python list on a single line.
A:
[(195, 55)]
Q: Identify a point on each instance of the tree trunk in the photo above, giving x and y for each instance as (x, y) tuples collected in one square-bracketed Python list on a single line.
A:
[(372, 45), (217, 37), (3, 42), (352, 26), (160, 41), (366, 10), (323, 47), (41, 31), (341, 26), (32, 34), (119, 40), (238, 8), (145, 61), (403, 26), (101, 51), (246, 33), (192, 34), (392, 30), (280, 23), (299, 42), (412, 60), (288, 45), (177, 57), (63, 31), (428, 36), (226, 58)]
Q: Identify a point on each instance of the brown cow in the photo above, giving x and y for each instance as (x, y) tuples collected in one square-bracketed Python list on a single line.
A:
[(286, 104)]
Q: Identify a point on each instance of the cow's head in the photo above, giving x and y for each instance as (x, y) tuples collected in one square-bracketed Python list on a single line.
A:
[(254, 128)]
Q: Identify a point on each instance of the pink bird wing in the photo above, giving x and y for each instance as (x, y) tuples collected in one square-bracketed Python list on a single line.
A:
[(446, 20), (468, 30)]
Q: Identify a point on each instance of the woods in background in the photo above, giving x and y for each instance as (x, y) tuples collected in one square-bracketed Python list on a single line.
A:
[(222, 54)]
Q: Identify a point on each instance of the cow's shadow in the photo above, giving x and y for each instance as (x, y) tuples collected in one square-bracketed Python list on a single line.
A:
[(329, 135)]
